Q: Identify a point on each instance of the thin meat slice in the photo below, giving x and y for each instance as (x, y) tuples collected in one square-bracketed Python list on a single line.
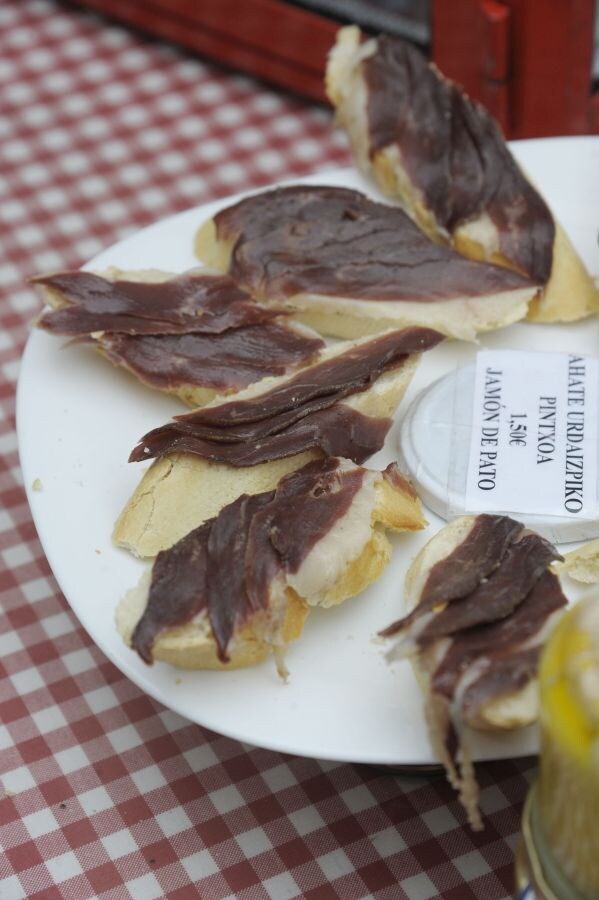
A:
[(442, 156), (494, 640), (302, 412), (495, 598), (193, 302), (194, 335), (227, 361), (337, 242), (483, 600), (454, 154), (336, 431), (459, 574)]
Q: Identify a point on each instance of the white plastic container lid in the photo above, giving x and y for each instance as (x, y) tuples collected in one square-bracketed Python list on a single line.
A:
[(434, 447)]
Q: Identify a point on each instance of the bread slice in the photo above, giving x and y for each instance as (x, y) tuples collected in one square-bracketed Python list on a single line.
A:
[(180, 491), (569, 293), (581, 564), (339, 565), (191, 393), (461, 317)]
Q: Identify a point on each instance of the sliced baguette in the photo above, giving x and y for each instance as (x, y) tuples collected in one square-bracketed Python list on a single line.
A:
[(193, 395), (345, 317), (193, 646), (569, 294), (180, 491), (361, 553), (511, 710)]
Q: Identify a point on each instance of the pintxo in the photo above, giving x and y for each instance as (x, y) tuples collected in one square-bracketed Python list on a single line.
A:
[(349, 266), (482, 599), (195, 335), (429, 146), (239, 587), (340, 405)]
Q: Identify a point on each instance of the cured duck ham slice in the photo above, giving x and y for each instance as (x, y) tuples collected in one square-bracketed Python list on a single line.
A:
[(301, 413), (195, 335)]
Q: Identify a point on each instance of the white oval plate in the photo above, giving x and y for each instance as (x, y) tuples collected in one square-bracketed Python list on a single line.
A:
[(78, 419)]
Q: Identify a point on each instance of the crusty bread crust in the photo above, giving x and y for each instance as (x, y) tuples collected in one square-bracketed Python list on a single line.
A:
[(192, 646), (570, 293), (180, 491), (210, 250), (361, 572), (581, 564)]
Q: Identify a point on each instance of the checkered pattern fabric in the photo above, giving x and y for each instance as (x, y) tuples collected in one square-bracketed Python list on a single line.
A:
[(104, 793)]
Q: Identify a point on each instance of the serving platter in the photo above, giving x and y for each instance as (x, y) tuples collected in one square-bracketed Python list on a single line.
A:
[(77, 420)]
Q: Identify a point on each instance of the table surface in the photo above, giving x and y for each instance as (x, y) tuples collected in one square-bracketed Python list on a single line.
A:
[(103, 792)]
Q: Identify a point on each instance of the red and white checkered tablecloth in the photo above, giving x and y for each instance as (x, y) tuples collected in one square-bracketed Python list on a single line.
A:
[(103, 792)]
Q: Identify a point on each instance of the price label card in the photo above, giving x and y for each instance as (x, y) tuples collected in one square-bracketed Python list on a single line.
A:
[(533, 446)]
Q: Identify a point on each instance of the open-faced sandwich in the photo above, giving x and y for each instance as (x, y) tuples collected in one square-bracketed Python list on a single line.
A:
[(349, 266), (338, 406), (429, 146), (195, 335), (239, 587), (481, 600)]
